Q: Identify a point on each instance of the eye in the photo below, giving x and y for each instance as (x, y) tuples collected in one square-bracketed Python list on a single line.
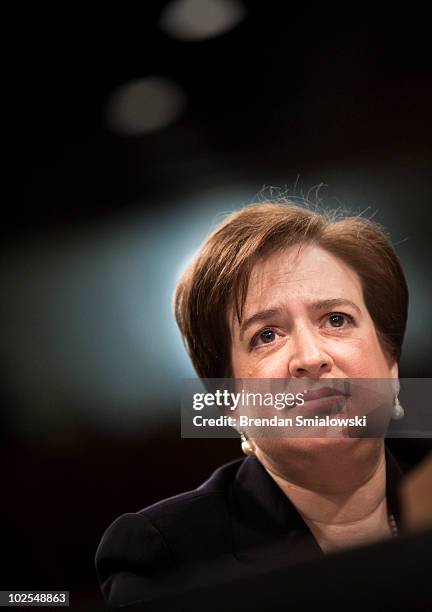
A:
[(338, 320), (266, 336)]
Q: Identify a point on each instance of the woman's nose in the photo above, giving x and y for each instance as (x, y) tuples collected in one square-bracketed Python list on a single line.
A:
[(308, 357)]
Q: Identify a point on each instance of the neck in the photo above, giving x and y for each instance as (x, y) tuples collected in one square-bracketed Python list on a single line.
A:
[(341, 499)]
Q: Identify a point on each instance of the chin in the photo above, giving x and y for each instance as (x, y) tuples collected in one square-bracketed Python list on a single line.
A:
[(312, 449), (316, 444)]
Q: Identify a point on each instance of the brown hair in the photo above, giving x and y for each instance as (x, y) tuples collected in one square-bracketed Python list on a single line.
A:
[(218, 279)]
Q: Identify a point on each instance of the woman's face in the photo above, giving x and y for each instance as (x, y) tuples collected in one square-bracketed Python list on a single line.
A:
[(305, 317)]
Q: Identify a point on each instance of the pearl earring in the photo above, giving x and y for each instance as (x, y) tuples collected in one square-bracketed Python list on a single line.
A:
[(246, 446), (398, 410)]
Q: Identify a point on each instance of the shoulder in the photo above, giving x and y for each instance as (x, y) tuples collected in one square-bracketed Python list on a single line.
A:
[(212, 491), (181, 529)]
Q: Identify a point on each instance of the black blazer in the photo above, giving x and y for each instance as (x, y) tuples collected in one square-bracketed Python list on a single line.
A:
[(237, 524)]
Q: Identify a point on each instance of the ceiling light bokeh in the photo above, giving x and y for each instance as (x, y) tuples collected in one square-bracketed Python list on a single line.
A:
[(144, 106), (195, 20)]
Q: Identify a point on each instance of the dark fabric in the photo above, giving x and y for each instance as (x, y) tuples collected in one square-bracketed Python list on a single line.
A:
[(388, 576), (237, 524)]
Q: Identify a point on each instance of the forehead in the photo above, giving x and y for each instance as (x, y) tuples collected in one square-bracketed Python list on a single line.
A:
[(301, 273)]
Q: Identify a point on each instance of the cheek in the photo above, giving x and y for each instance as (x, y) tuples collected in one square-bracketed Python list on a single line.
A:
[(273, 364), (362, 357), (242, 367)]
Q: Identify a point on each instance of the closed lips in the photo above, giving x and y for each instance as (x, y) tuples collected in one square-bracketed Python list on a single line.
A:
[(322, 392)]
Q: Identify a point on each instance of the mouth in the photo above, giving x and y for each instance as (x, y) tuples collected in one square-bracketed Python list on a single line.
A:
[(324, 400)]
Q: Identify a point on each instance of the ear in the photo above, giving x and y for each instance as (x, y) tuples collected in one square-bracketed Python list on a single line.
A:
[(394, 373), (394, 370)]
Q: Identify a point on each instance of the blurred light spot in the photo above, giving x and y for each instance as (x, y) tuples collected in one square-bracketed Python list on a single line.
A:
[(201, 19), (144, 106)]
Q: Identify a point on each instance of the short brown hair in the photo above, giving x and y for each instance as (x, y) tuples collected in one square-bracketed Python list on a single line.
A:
[(218, 278)]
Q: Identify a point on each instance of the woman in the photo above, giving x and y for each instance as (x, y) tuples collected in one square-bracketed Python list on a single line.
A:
[(277, 291)]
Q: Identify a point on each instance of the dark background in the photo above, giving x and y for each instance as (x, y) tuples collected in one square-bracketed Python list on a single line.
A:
[(100, 223)]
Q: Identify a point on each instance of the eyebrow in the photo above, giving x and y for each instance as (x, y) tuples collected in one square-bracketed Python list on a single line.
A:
[(264, 315)]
